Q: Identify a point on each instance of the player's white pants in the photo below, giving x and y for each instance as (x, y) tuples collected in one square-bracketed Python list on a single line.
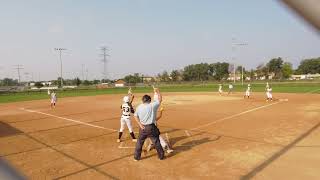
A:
[(162, 142), (220, 91), (53, 101), (269, 95), (123, 121), (248, 93)]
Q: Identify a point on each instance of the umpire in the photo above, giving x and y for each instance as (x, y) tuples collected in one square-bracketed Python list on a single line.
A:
[(145, 116)]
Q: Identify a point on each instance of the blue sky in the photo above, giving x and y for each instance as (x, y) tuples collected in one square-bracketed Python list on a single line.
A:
[(146, 36)]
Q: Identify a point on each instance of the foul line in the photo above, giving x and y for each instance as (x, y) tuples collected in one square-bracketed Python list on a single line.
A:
[(235, 115), (67, 119), (125, 147)]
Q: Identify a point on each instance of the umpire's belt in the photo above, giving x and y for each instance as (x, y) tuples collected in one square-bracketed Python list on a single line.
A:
[(149, 124)]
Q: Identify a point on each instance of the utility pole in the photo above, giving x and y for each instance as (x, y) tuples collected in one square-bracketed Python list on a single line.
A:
[(104, 54), (18, 68), (60, 51), (82, 71), (242, 75), (32, 76), (87, 72)]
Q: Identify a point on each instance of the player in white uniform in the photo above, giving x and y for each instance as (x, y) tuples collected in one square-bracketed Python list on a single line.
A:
[(53, 97), (127, 109), (248, 91), (269, 94), (267, 85), (230, 89), (163, 142), (220, 89)]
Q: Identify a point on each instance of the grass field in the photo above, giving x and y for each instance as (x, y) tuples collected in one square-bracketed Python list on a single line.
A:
[(277, 87)]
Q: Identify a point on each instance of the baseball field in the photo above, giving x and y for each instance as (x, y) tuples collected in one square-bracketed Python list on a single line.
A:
[(213, 137)]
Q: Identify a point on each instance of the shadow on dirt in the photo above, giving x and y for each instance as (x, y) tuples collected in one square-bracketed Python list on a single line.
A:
[(190, 141), (7, 130)]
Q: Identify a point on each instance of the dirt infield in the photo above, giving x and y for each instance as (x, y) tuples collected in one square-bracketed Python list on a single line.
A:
[(214, 137)]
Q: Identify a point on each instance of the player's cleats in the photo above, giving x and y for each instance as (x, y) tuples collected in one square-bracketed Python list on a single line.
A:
[(134, 140), (118, 140), (169, 151)]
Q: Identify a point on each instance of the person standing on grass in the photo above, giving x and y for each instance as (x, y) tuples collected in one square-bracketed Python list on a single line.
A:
[(145, 116), (248, 91), (230, 89), (220, 89)]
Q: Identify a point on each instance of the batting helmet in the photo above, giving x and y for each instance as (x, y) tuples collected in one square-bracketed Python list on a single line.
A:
[(126, 99)]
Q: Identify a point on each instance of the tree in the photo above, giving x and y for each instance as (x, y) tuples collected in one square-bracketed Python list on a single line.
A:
[(196, 72), (9, 82), (59, 81), (287, 70), (96, 81), (86, 83), (175, 75), (219, 70), (261, 70), (275, 66), (239, 69), (309, 66), (164, 77), (77, 81), (251, 74), (135, 78), (38, 84)]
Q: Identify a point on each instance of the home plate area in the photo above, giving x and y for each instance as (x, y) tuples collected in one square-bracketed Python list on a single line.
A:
[(178, 139)]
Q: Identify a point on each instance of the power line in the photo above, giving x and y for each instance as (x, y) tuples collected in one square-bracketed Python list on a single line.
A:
[(18, 68), (87, 73), (104, 54)]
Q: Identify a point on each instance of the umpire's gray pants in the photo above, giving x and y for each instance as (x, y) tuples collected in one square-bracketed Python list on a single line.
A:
[(150, 131)]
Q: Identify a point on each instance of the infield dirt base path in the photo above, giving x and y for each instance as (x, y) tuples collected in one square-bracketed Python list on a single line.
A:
[(214, 137)]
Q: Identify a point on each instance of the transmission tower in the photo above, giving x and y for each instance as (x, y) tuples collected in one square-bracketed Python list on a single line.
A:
[(104, 60), (18, 68)]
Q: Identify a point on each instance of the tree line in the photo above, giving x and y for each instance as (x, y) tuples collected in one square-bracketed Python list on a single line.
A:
[(66, 82), (275, 68)]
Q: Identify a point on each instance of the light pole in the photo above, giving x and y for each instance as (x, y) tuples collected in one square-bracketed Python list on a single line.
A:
[(234, 45), (60, 52), (242, 75)]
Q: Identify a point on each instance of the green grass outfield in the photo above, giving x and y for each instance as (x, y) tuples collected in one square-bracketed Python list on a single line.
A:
[(277, 87)]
